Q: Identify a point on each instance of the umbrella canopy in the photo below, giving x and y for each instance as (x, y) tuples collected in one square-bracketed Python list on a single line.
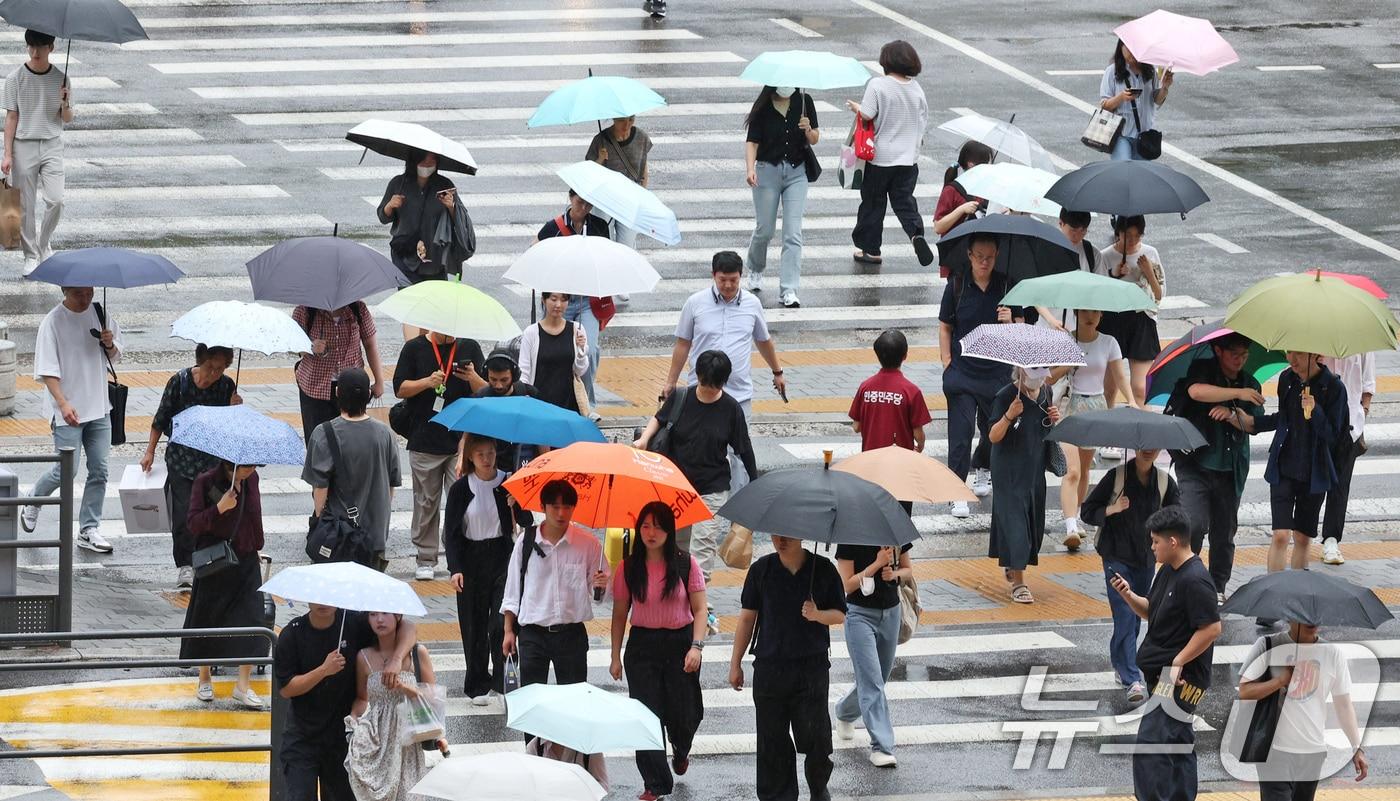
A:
[(1026, 247), (1014, 186), (1080, 290), (508, 776), (1005, 139), (613, 481), (519, 419), (1308, 596), (1171, 364), (1181, 43), (907, 475), (1359, 281), (114, 268), (599, 97), (452, 308), (592, 266), (345, 585), (323, 272), (807, 69), (821, 505), (1126, 427), (87, 20), (238, 434), (1022, 345), (1126, 188), (569, 714), (617, 196), (399, 140), (1313, 313), (246, 326)]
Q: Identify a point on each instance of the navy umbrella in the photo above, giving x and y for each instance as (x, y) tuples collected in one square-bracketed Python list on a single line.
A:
[(1127, 188), (821, 505), (1026, 247), (1309, 597), (117, 268), (1126, 427), (322, 272)]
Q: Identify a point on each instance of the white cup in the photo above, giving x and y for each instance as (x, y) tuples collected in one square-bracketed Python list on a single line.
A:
[(867, 585)]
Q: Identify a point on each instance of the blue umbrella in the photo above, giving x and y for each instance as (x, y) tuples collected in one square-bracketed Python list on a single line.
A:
[(809, 69), (239, 435), (323, 272), (117, 268), (600, 97), (519, 419)]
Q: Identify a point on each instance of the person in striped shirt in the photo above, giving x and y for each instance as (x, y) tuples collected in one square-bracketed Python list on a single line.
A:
[(36, 109)]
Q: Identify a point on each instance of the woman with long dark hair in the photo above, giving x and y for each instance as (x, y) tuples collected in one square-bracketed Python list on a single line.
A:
[(414, 202), (1125, 81), (782, 127), (553, 352), (662, 590), (954, 208)]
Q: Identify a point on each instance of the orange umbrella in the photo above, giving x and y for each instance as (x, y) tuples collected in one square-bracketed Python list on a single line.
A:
[(613, 482), (907, 475)]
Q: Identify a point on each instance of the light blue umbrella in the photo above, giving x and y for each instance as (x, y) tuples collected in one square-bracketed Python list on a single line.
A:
[(345, 585), (584, 718), (238, 434), (615, 195), (806, 69), (599, 97), (519, 419)]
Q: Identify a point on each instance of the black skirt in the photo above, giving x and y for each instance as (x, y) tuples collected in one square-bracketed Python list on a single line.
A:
[(1136, 333), (227, 599)]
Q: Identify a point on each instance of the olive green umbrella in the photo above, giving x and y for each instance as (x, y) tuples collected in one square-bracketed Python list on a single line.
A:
[(1313, 313), (1080, 290)]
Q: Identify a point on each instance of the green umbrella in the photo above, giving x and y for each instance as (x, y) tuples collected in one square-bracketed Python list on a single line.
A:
[(452, 308), (1080, 290), (1313, 313)]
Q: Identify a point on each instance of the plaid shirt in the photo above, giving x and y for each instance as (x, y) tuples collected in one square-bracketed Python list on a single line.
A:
[(343, 346)]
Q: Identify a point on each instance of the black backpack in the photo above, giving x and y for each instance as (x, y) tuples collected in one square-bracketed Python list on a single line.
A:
[(338, 537)]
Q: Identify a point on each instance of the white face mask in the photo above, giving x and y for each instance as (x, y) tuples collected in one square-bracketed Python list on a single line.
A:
[(785, 91), (1035, 378), (426, 172)]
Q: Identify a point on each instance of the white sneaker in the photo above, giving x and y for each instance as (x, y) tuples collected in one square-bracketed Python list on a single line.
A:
[(623, 298), (1072, 538), (423, 573), (882, 760), (92, 539), (790, 301), (960, 510), (1137, 693), (982, 482), (249, 699), (1332, 552), (845, 730), (481, 700), (186, 580), (29, 518), (1220, 599), (755, 282), (30, 265)]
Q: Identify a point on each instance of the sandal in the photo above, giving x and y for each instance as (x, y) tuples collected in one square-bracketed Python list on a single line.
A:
[(863, 258), (1021, 594)]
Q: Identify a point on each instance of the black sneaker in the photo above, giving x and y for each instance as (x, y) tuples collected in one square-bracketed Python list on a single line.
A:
[(1265, 622), (656, 8), (922, 250)]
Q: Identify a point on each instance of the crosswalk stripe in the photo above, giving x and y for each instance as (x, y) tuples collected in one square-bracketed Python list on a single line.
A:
[(476, 114), (411, 40), (538, 169), (201, 161), (806, 314), (505, 61), (515, 142), (97, 137), (672, 196), (419, 88), (94, 82), (243, 3), (126, 227), (175, 192), (113, 109), (389, 18), (921, 280), (20, 58)]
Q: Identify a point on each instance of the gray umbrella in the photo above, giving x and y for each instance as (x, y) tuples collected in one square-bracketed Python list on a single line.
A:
[(1126, 427), (1127, 188), (1307, 596), (88, 20), (323, 272), (821, 505)]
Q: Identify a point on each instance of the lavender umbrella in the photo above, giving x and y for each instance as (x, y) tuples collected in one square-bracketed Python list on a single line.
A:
[(1021, 345)]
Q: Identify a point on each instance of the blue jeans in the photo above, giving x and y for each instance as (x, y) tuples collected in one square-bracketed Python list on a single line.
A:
[(93, 439), (787, 184), (871, 637), (1125, 149), (581, 312), (1122, 648)]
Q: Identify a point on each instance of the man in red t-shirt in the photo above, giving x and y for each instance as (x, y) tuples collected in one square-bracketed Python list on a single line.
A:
[(888, 408)]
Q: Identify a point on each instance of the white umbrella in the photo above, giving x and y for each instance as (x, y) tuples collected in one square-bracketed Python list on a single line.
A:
[(245, 326), (345, 585), (399, 139), (507, 776), (617, 196), (1008, 141), (1014, 186), (592, 266)]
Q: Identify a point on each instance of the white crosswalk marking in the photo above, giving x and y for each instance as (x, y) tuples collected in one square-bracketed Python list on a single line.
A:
[(733, 110), (419, 88), (507, 61), (409, 40), (388, 18)]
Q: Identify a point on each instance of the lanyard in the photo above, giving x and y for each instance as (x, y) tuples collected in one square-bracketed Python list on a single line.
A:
[(451, 357)]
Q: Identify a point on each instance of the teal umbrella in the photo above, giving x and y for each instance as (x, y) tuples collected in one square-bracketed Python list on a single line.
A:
[(584, 718), (808, 69), (1080, 290), (598, 97)]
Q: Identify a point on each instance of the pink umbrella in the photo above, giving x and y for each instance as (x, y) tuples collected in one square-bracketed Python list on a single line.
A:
[(1183, 44)]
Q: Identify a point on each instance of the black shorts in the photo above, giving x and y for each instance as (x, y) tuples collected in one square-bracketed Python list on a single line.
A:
[(1294, 508), (1136, 333)]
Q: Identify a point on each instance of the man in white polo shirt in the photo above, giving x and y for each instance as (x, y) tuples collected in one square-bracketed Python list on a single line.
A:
[(725, 318), (37, 108)]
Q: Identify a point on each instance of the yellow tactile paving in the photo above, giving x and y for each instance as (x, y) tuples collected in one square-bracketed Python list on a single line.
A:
[(127, 705), (135, 790)]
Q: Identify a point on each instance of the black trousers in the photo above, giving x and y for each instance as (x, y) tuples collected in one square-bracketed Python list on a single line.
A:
[(655, 665), (1158, 775), (177, 500), (1335, 514), (968, 414), (479, 614), (314, 412), (790, 707), (566, 647), (1290, 777), (1211, 502), (894, 185), (309, 760)]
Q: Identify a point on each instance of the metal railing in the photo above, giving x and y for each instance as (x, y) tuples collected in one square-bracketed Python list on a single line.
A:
[(44, 613)]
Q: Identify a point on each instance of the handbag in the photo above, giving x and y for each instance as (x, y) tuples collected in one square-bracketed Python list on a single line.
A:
[(116, 391), (1055, 462), (1149, 143), (1259, 736), (810, 163), (11, 215), (400, 421), (864, 140), (333, 537), (737, 548), (661, 440), (909, 609), (214, 559), (1103, 130), (511, 682)]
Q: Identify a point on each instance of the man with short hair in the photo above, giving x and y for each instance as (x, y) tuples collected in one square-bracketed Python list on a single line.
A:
[(77, 343), (502, 381), (1074, 225), (1175, 657), (37, 107)]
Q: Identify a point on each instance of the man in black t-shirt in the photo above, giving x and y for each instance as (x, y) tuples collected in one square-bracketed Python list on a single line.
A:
[(1183, 624), (791, 598), (314, 666), (502, 381)]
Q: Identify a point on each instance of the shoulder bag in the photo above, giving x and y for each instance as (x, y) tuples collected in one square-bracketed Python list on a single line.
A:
[(1103, 130), (909, 609), (1259, 736), (810, 162), (337, 537), (1149, 143), (220, 556), (116, 391), (661, 440)]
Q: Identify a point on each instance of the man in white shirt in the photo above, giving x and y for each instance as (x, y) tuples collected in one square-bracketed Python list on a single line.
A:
[(550, 596), (36, 109), (72, 351), (1358, 375)]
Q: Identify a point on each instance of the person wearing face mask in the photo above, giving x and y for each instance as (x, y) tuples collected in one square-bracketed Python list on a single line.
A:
[(1024, 411), (782, 127), (623, 147), (414, 203)]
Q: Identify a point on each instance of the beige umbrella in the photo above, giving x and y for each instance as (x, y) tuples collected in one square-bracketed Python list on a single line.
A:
[(907, 475)]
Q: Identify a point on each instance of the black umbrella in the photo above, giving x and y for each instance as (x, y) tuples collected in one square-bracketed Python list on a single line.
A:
[(323, 272), (821, 505), (88, 20), (1126, 427), (1308, 597), (1026, 247), (1127, 188)]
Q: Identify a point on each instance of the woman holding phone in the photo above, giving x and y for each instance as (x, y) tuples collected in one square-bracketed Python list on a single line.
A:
[(414, 203), (1125, 81)]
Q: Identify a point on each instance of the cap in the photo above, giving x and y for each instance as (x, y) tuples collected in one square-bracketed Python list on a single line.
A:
[(352, 384)]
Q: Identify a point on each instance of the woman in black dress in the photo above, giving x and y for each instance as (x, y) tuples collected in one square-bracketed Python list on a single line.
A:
[(1023, 412), (225, 506), (553, 352)]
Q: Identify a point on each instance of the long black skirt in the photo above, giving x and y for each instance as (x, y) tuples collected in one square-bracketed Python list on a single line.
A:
[(227, 599)]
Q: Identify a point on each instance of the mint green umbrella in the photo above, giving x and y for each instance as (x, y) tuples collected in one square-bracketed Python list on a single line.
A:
[(807, 69), (1080, 290), (583, 717), (597, 97)]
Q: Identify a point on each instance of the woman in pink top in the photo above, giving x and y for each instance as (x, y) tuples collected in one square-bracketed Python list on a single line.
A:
[(664, 591)]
